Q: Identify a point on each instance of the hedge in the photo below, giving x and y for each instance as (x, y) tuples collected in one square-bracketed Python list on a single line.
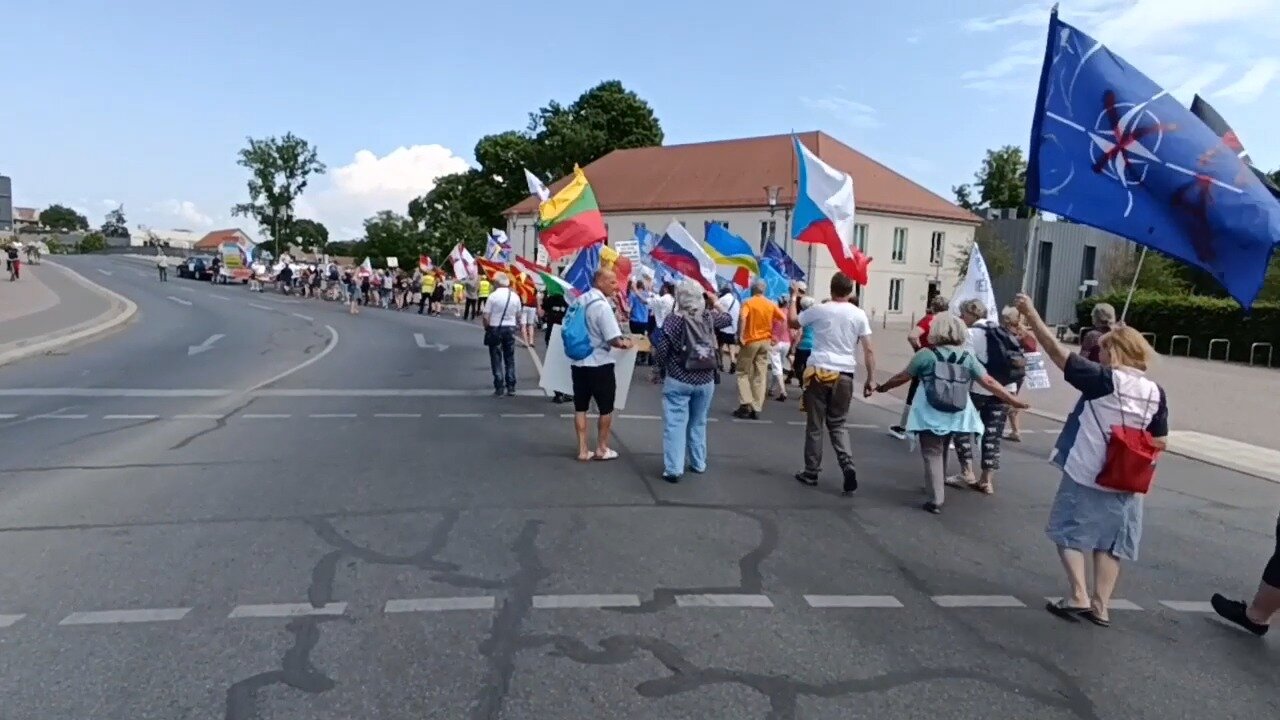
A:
[(1200, 317)]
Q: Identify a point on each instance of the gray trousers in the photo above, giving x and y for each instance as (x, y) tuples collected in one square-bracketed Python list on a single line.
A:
[(827, 406), (933, 449)]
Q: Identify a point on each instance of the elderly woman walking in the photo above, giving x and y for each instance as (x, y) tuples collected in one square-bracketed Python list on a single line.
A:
[(944, 408), (997, 349), (1105, 470), (685, 359)]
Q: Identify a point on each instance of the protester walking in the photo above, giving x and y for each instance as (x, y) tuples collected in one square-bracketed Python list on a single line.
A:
[(803, 346), (638, 318), (685, 358), (1104, 317), (1106, 453), (427, 284), (728, 339), (998, 351), (1256, 615), (948, 373), (14, 261), (779, 350), (918, 339), (162, 266), (593, 376), (1011, 320), (755, 331), (500, 321), (482, 293), (471, 286), (661, 307), (839, 327)]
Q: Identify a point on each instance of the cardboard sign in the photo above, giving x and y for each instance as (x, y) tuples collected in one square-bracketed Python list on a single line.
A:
[(1037, 372), (557, 377)]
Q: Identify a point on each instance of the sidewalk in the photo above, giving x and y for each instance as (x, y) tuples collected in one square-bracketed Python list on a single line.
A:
[(51, 307)]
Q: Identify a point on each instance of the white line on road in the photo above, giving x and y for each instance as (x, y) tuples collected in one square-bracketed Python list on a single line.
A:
[(852, 601), (206, 345), (552, 602), (723, 600), (801, 423), (220, 297), (7, 416), (283, 610), (59, 416), (198, 417), (261, 307), (115, 617), (746, 421), (439, 604), (308, 318), (328, 348), (639, 417), (1187, 605), (179, 300), (331, 416), (130, 417), (265, 416), (860, 426), (1114, 605), (460, 415), (111, 392), (184, 288), (397, 415), (522, 415), (104, 272), (8, 620), (984, 601), (421, 340)]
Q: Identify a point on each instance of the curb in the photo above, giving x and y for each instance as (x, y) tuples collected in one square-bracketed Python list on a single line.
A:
[(124, 310)]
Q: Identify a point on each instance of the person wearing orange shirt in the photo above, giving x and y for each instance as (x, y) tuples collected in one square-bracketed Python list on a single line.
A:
[(755, 332)]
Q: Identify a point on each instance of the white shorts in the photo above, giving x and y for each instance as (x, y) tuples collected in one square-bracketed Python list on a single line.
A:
[(776, 355), (529, 316)]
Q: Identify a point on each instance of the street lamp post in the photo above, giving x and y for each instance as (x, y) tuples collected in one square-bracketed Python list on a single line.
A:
[(771, 193)]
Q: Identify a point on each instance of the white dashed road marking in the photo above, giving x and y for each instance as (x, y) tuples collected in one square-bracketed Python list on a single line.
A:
[(179, 300), (130, 417), (285, 610), (397, 415), (1191, 606), (308, 318), (7, 620), (550, 602), (261, 307), (198, 417), (639, 417), (60, 416), (332, 415), (523, 415), (852, 601), (265, 416), (117, 617), (440, 604), (460, 415), (1115, 604), (725, 600), (7, 416), (983, 601)]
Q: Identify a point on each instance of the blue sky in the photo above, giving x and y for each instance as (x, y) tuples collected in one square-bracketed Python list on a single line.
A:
[(146, 102)]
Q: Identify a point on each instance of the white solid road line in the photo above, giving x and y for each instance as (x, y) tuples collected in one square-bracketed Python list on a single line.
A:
[(328, 348), (8, 620), (397, 415), (723, 600), (308, 318), (130, 417), (331, 416), (179, 300), (522, 415), (1192, 606), (982, 601), (261, 307), (116, 617), (284, 610), (852, 601), (112, 392), (557, 602), (220, 297), (265, 416), (440, 604)]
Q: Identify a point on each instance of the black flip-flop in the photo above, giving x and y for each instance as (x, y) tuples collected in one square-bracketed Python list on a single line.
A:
[(1066, 612), (1092, 617)]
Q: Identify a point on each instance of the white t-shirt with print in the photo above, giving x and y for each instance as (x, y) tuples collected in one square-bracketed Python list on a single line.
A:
[(837, 329)]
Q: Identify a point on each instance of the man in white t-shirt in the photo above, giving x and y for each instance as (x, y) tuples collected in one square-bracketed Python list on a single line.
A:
[(730, 305), (839, 327), (500, 317), (593, 376)]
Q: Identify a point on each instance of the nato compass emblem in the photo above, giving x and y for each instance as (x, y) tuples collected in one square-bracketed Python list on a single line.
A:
[(1125, 139)]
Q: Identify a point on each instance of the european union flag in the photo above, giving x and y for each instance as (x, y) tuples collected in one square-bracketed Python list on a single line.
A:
[(1111, 149), (781, 261), (581, 274)]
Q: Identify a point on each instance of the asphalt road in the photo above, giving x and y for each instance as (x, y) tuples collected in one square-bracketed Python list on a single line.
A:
[(317, 518)]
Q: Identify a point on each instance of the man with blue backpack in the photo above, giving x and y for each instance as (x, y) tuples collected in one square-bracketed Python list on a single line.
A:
[(590, 332)]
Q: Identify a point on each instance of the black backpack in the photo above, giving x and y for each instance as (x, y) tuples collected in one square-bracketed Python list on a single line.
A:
[(1006, 362)]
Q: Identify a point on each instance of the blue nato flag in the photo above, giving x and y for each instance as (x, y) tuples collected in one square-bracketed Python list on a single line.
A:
[(1111, 149)]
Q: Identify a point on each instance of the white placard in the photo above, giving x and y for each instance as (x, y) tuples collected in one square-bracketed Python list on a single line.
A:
[(629, 249), (556, 376), (393, 262), (1037, 373)]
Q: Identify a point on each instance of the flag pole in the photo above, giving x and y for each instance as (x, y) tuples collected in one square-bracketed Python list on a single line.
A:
[(1133, 285), (1033, 228)]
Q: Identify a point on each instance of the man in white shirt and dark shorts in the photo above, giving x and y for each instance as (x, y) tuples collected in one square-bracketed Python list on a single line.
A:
[(593, 376)]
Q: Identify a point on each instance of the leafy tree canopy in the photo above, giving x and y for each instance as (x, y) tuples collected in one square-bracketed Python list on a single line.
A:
[(311, 235), (114, 225), (63, 219), (1001, 183), (279, 169)]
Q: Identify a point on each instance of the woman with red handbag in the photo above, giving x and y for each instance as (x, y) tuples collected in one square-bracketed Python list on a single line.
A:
[(1107, 452)]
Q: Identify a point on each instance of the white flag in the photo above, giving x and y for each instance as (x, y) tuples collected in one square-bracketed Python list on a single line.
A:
[(536, 187), (464, 265), (976, 285)]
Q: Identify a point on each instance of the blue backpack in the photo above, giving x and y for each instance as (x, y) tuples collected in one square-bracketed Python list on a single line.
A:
[(577, 341)]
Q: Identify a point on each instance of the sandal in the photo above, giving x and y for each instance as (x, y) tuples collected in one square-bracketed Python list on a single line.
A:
[(959, 481), (1094, 618), (1066, 611), (609, 454), (1013, 437), (984, 488), (587, 458)]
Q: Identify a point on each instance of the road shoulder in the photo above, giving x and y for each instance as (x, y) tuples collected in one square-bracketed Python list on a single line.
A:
[(53, 328)]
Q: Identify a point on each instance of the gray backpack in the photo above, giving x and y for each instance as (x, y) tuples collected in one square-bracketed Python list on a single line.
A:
[(947, 387), (697, 350)]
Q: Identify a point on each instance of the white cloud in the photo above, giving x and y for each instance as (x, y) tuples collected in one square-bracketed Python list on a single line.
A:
[(1251, 85), (185, 214), (855, 114), (1203, 78), (109, 204), (370, 183)]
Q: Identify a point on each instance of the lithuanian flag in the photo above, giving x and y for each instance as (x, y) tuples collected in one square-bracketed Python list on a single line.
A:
[(571, 219)]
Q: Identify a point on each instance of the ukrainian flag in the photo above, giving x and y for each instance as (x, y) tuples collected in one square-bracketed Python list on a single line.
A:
[(727, 249)]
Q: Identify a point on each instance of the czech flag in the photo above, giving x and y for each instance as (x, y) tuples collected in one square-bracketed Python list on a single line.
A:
[(824, 213), (679, 251)]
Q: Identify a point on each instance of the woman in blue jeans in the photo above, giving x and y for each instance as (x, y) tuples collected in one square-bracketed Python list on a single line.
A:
[(686, 394)]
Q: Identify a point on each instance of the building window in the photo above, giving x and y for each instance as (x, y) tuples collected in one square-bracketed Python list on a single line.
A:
[(860, 236), (899, 245), (768, 231), (895, 295), (638, 228), (937, 248), (1087, 264)]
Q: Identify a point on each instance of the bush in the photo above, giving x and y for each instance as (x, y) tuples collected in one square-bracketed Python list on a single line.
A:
[(93, 242), (1200, 317)]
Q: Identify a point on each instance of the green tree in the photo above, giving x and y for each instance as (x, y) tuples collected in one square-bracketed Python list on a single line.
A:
[(1001, 183), (279, 169), (448, 214), (995, 253), (93, 242), (605, 118), (1159, 273), (390, 234), (311, 235), (61, 218), (114, 225)]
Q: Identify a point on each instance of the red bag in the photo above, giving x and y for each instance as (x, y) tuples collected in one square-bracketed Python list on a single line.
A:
[(1130, 463)]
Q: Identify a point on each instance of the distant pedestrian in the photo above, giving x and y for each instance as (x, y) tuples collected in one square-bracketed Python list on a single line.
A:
[(472, 288), (593, 376), (638, 319), (755, 332), (803, 347), (1104, 317), (13, 262), (427, 284), (500, 321), (352, 287), (162, 266), (483, 291), (1011, 320), (839, 328), (1256, 616)]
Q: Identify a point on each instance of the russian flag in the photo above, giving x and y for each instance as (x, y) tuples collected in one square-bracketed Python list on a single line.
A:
[(824, 213), (679, 251)]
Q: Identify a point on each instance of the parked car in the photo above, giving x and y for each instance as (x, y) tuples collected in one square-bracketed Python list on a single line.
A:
[(198, 267)]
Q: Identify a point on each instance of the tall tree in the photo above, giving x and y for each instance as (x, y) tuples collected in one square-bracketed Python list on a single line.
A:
[(63, 219), (390, 234), (605, 118), (995, 253), (448, 214), (311, 235), (114, 224), (279, 169), (1001, 183)]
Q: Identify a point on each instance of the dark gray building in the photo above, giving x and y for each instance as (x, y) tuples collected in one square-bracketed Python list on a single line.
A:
[(1068, 262), (6, 205)]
